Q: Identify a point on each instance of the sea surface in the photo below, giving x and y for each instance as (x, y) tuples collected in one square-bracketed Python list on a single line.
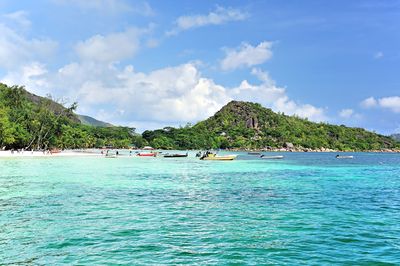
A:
[(307, 209)]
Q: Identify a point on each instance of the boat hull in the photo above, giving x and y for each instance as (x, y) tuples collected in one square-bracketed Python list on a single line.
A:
[(175, 156), (344, 157), (277, 157), (220, 158), (147, 154)]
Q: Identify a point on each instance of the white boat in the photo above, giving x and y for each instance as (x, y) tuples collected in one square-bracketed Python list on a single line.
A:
[(271, 156), (344, 156)]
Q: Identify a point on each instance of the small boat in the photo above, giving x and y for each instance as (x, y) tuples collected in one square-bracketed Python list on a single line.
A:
[(271, 156), (109, 155), (214, 157), (175, 155), (344, 157), (253, 153), (147, 154)]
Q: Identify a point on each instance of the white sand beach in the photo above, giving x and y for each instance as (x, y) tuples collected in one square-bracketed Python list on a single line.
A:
[(66, 153)]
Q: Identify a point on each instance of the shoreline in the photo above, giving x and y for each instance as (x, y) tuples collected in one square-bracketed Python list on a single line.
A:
[(312, 150), (97, 152), (27, 154)]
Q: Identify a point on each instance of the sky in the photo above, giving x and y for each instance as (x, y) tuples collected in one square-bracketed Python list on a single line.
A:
[(151, 64)]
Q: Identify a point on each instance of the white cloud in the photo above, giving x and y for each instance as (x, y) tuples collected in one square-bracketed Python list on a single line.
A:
[(20, 17), (167, 96), (392, 103), (110, 48), (219, 16), (346, 113), (32, 76), (369, 102), (17, 50), (171, 95), (269, 95), (246, 56)]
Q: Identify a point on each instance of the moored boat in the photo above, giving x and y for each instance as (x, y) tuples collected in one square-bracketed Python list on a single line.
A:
[(215, 157), (253, 153), (175, 155), (110, 154), (147, 154), (271, 156), (344, 157)]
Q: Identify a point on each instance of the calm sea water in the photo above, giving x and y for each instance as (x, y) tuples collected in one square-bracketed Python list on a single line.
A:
[(309, 209)]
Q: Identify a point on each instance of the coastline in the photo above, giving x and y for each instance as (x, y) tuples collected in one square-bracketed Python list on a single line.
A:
[(97, 152), (67, 153), (313, 150)]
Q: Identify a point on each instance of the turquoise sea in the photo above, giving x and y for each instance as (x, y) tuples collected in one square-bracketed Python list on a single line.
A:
[(308, 209)]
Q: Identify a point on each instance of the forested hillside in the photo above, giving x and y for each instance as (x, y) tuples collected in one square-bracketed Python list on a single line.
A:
[(32, 122), (249, 125)]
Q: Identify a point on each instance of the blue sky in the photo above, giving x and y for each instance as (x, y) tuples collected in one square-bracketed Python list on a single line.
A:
[(150, 64)]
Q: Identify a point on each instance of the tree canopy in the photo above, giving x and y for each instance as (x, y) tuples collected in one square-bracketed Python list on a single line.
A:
[(32, 122), (249, 125)]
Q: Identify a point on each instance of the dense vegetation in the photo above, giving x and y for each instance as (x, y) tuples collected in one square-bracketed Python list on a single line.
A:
[(249, 125), (32, 122)]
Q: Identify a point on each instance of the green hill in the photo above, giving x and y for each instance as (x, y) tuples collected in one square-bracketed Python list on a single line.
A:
[(58, 108), (245, 125), (32, 122), (90, 121)]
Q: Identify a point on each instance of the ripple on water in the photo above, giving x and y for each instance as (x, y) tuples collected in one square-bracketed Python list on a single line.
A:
[(306, 209)]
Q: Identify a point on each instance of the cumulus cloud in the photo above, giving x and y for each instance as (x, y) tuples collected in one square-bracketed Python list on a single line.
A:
[(346, 113), (219, 16), (270, 95), (106, 89), (392, 103), (246, 55), (369, 102), (112, 47), (32, 75), (167, 96)]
